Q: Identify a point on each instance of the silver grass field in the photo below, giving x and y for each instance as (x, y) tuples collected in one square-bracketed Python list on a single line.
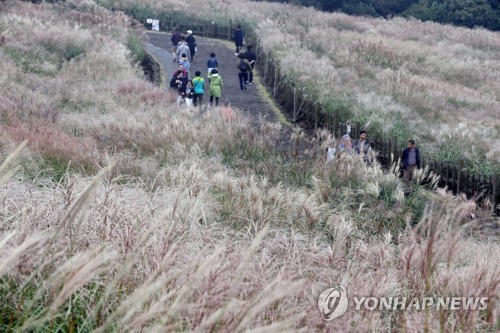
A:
[(121, 212)]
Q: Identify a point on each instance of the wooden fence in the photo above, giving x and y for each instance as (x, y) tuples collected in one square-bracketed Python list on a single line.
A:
[(312, 115)]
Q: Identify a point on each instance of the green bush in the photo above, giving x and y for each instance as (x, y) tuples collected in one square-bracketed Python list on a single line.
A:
[(134, 44), (24, 302), (34, 61), (140, 12)]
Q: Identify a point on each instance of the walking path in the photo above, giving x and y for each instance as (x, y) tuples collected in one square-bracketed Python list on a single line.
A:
[(250, 100)]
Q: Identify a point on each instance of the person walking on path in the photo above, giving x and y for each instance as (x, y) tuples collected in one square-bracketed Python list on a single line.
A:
[(239, 37), (180, 86), (183, 76), (189, 94), (175, 39), (215, 87), (244, 68), (183, 48), (185, 63), (362, 146), (251, 57), (199, 88), (212, 63), (191, 42), (411, 160)]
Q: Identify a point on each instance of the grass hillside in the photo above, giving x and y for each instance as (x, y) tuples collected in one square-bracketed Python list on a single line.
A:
[(435, 83), (121, 212)]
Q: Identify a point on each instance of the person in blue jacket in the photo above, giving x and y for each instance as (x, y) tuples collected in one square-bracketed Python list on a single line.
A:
[(212, 63)]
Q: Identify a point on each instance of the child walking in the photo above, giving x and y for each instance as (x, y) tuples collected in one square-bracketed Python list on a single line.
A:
[(180, 86), (215, 87), (184, 61), (189, 94)]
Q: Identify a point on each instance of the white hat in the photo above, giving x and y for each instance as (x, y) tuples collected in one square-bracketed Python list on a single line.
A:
[(189, 32)]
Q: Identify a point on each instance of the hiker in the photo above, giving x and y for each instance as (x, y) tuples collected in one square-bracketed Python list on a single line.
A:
[(330, 152), (345, 146), (199, 88), (191, 42), (251, 57), (180, 86), (212, 63), (362, 146), (183, 76), (189, 94), (182, 47), (175, 39), (185, 63), (411, 160), (244, 68), (185, 73), (215, 87), (239, 38)]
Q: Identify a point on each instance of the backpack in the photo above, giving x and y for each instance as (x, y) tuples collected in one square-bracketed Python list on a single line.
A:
[(243, 65)]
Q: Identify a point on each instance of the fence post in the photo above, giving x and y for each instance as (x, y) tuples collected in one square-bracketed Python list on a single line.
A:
[(467, 184), (335, 123), (275, 82), (441, 181), (266, 65), (448, 175), (459, 175), (315, 116), (495, 200), (294, 103), (394, 149), (306, 110)]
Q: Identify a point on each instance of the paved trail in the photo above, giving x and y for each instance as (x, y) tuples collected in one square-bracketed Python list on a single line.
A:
[(250, 100)]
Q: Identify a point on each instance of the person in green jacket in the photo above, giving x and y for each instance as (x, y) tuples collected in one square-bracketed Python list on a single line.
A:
[(215, 87)]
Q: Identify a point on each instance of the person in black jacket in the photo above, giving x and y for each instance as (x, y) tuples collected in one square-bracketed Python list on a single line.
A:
[(411, 160), (238, 39), (251, 57), (244, 68), (175, 39), (191, 43)]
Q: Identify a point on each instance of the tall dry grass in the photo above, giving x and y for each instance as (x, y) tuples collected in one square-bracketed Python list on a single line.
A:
[(100, 254), (187, 221)]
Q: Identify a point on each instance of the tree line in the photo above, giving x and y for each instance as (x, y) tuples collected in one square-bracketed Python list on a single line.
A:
[(466, 13)]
